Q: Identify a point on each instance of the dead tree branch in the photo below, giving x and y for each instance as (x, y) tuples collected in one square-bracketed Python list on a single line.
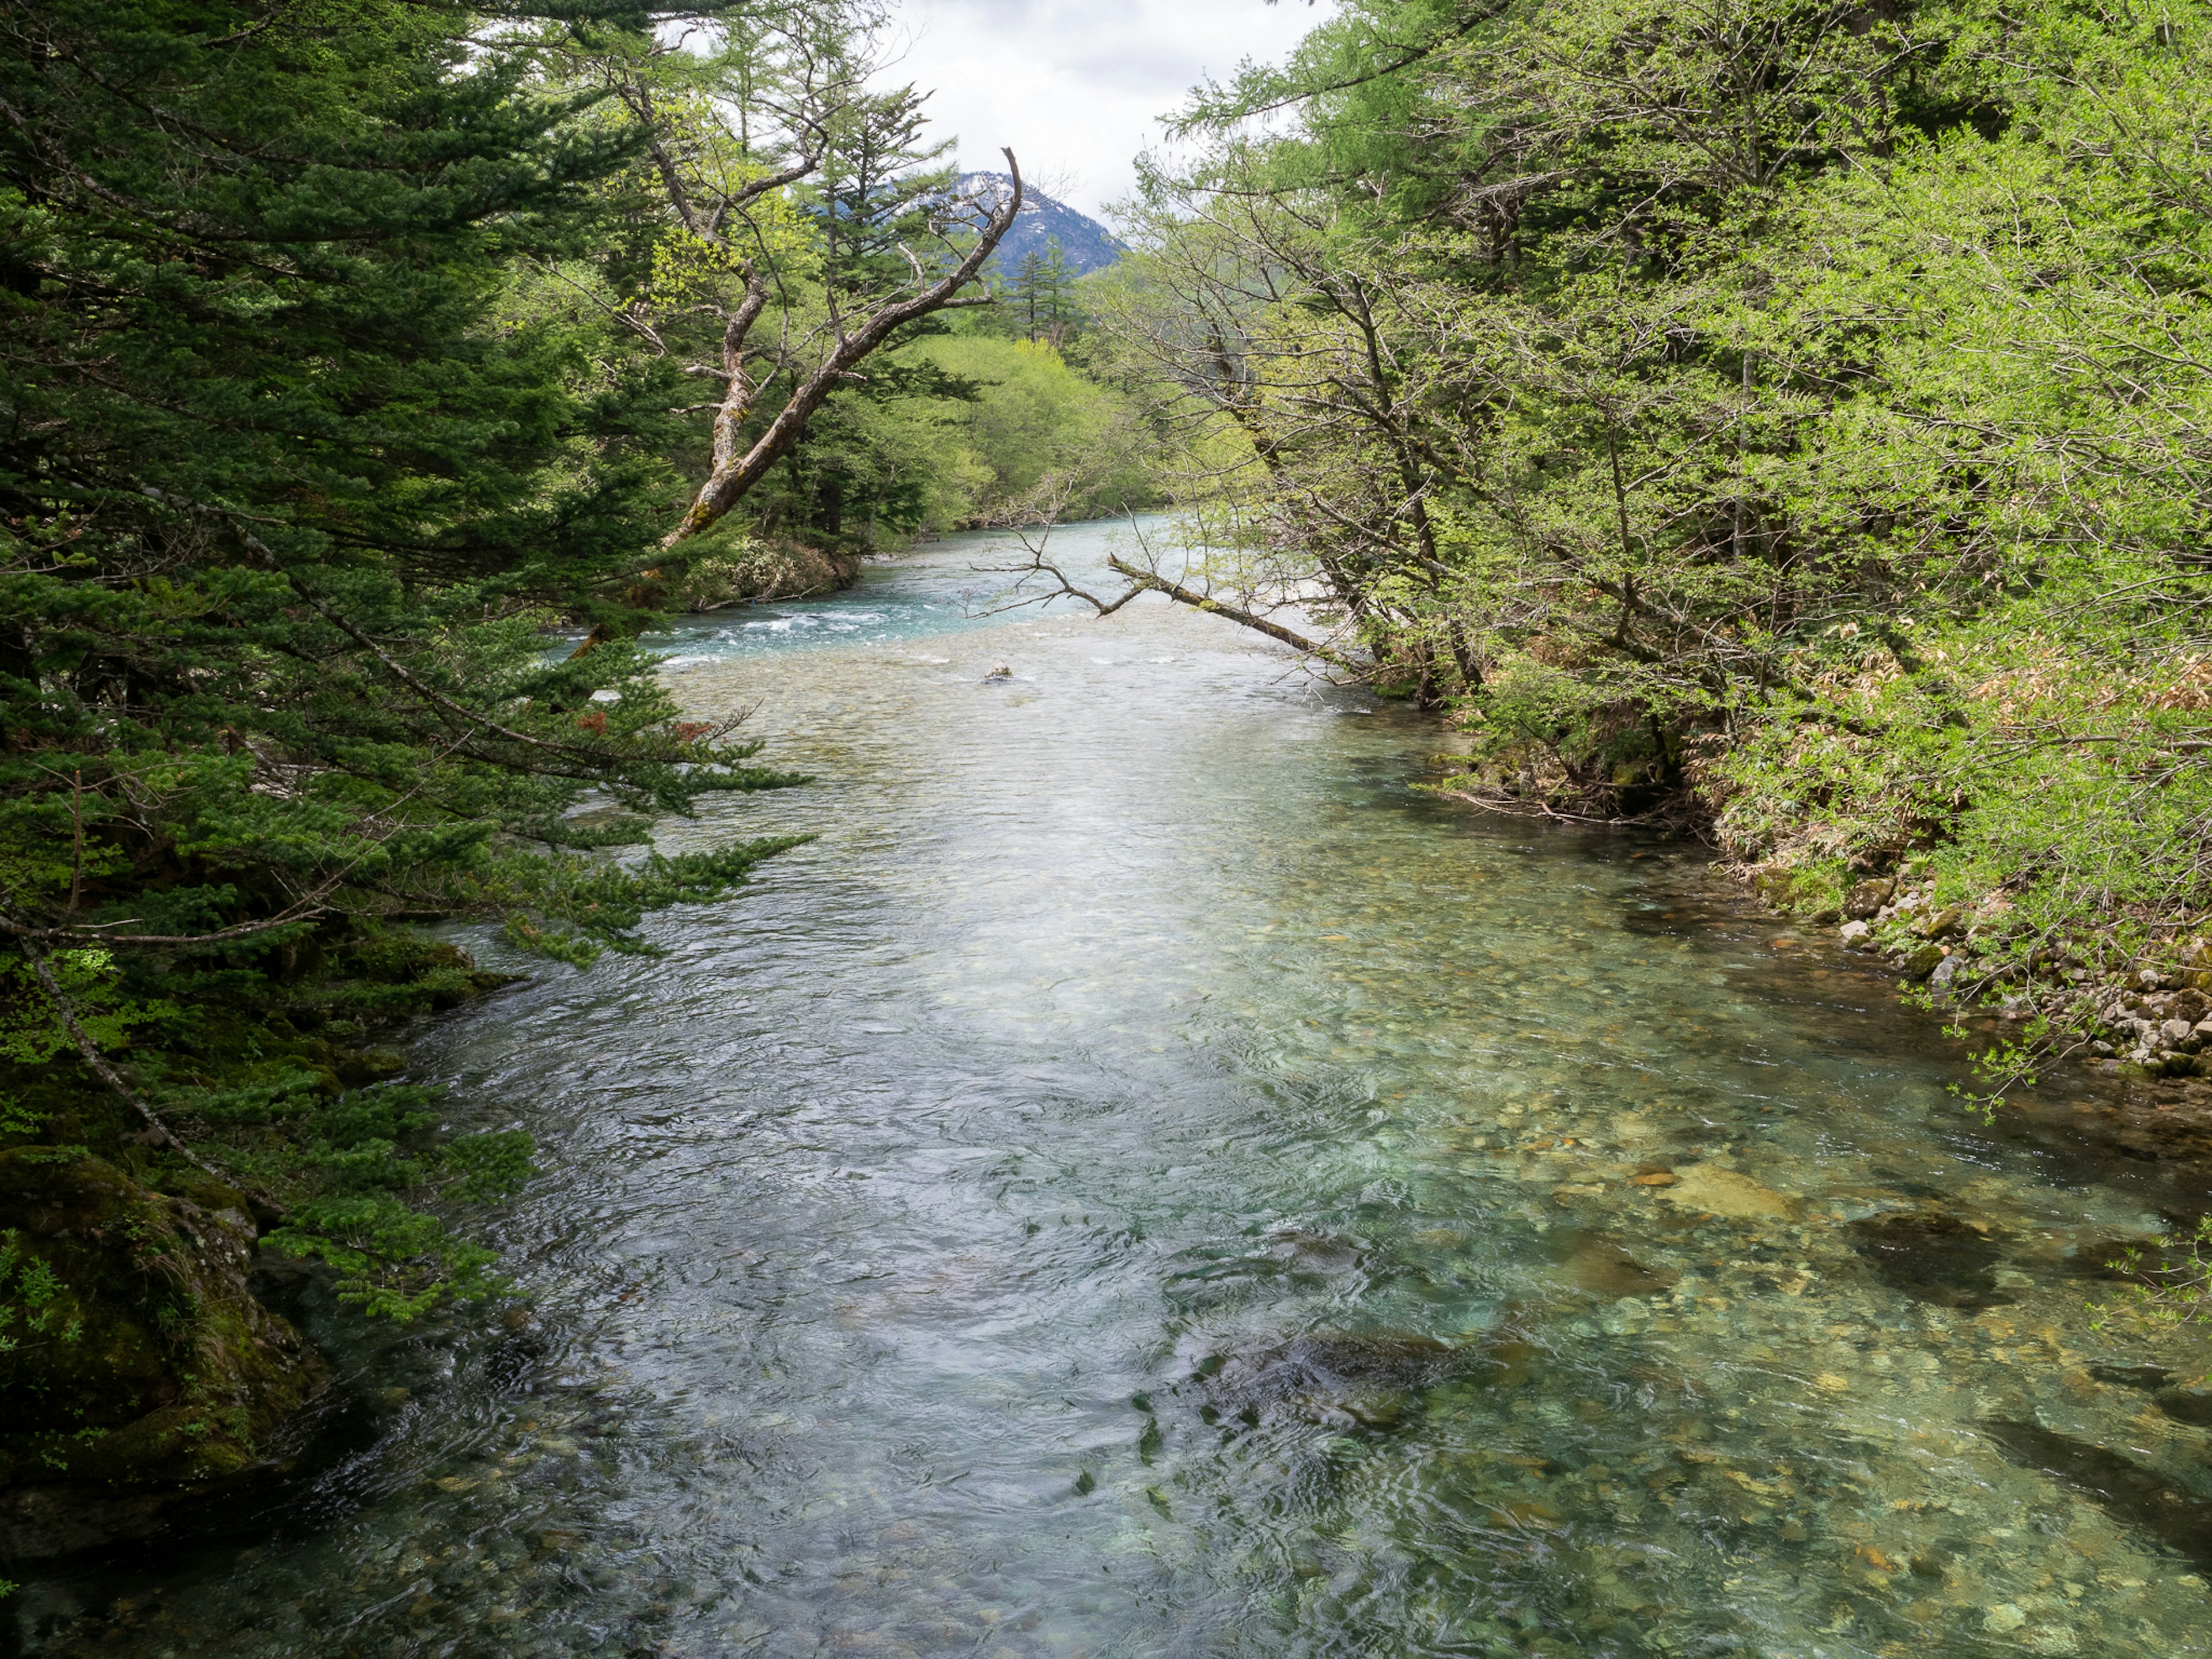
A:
[(1153, 582)]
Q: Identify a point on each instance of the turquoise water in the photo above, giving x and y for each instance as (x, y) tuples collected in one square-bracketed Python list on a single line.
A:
[(1148, 1181)]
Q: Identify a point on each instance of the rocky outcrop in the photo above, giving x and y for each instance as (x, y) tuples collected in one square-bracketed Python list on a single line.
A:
[(2165, 1032), (142, 1369)]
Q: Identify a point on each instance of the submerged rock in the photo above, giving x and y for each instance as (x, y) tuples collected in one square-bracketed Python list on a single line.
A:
[(2191, 1406), (2148, 1378), (1603, 1268), (1362, 1378), (1303, 1251), (1726, 1192), (1932, 1257), (152, 1373)]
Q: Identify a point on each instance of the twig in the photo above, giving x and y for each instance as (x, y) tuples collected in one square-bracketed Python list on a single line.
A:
[(163, 1135)]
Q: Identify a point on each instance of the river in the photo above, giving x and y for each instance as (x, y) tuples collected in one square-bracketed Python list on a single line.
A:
[(1147, 1181)]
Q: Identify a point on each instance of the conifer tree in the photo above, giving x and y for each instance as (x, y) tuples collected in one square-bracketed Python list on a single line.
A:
[(300, 460), (1043, 294)]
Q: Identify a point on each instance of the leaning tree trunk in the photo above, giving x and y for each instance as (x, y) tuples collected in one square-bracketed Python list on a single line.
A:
[(734, 475)]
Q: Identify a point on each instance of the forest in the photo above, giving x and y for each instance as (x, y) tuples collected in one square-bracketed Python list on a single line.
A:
[(376, 373), (1784, 423), (1786, 420)]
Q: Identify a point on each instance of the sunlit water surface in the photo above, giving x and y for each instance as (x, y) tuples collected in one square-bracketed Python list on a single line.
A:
[(1147, 1182)]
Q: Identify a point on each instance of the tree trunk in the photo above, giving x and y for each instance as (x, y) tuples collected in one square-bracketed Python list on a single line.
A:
[(734, 475)]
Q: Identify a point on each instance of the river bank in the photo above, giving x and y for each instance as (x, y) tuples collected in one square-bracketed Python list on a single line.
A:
[(1147, 1180), (2122, 1002)]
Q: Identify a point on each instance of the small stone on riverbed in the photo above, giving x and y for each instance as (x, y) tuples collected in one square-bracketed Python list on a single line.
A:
[(1726, 1192)]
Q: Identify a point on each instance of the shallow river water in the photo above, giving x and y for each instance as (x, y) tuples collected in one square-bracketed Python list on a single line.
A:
[(1148, 1181)]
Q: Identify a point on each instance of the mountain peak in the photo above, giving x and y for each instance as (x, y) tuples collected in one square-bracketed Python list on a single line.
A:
[(1085, 243)]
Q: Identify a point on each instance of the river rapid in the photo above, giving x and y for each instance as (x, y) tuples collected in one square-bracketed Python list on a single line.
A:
[(1148, 1180)]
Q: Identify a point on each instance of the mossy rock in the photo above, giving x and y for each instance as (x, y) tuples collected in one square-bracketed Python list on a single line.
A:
[(1922, 960), (143, 1369)]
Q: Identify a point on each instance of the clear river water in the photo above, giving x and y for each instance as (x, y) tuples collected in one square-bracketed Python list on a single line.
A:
[(1149, 1181)]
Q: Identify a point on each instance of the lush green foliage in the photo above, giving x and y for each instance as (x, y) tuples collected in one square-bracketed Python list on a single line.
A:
[(1803, 407), (780, 199), (1038, 422), (353, 349), (303, 455)]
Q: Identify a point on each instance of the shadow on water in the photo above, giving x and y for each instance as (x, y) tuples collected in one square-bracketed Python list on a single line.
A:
[(2152, 1502), (1933, 1257)]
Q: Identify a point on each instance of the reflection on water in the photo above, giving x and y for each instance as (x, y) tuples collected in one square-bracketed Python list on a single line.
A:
[(1145, 1182)]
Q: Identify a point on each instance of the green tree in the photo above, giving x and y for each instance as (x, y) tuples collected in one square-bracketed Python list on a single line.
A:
[(1041, 297), (302, 459), (1792, 413)]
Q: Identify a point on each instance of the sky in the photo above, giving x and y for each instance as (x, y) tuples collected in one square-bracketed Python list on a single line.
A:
[(1076, 86)]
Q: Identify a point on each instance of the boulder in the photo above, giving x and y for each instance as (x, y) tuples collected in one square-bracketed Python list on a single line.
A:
[(1922, 960), (1853, 935), (153, 1372), (1866, 898), (1946, 974)]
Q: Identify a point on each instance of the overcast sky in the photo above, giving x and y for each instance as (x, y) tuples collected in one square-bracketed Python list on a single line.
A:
[(1076, 86)]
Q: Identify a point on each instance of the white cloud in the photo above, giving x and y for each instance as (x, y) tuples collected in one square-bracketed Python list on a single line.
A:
[(1077, 88)]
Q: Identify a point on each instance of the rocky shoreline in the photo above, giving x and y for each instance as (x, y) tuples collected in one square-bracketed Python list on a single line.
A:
[(2147, 1019)]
